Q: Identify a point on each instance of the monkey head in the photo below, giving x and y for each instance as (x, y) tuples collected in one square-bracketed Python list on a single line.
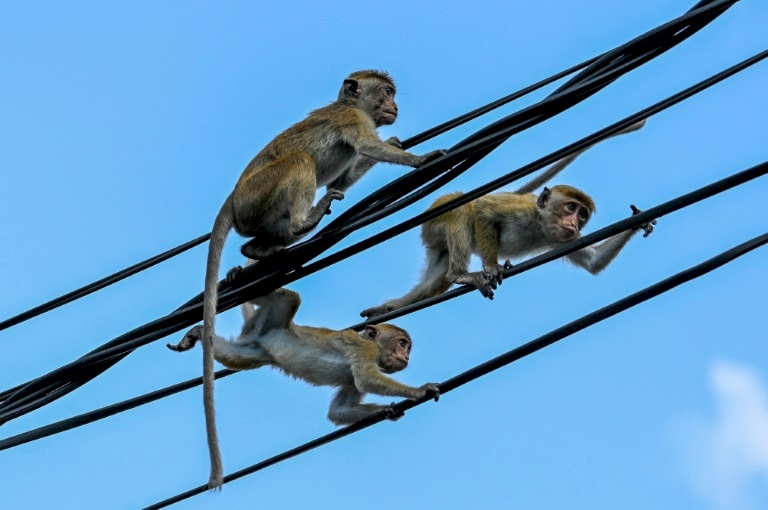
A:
[(374, 92), (566, 210), (394, 346)]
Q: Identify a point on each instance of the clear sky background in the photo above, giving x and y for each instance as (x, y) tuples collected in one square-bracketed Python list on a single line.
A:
[(123, 127)]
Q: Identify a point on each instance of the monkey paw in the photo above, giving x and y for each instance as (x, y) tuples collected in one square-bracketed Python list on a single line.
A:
[(431, 391), (189, 340), (395, 142), (375, 311), (495, 273), (431, 156), (647, 227), (393, 414), (232, 274)]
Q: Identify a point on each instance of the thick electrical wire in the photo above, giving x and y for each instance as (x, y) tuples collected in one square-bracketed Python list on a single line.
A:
[(632, 222), (701, 14), (47, 389), (500, 361), (100, 284), (407, 144)]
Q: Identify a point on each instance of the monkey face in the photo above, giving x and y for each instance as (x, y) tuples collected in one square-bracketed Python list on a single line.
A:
[(571, 216), (395, 353), (386, 110)]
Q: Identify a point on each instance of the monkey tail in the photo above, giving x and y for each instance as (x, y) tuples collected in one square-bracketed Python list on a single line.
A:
[(221, 227), (433, 281)]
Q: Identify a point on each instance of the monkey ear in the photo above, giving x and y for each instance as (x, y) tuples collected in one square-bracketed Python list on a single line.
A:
[(371, 332), (351, 88), (544, 197)]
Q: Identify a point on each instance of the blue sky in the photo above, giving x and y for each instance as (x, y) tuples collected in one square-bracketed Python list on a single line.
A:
[(124, 126)]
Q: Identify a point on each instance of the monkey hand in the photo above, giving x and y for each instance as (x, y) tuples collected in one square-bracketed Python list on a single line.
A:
[(647, 227), (232, 274), (331, 195), (495, 272), (394, 142), (479, 280), (431, 156), (189, 340), (391, 413), (430, 391), (375, 311)]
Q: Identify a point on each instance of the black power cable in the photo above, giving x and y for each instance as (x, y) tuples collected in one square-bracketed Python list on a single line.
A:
[(595, 237), (500, 361), (51, 386), (408, 143)]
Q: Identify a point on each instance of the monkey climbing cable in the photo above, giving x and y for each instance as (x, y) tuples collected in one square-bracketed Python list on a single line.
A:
[(34, 394), (500, 361), (705, 10), (152, 261), (587, 240)]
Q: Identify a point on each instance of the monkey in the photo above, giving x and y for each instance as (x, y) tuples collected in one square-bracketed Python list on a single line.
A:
[(509, 225), (272, 201), (354, 363)]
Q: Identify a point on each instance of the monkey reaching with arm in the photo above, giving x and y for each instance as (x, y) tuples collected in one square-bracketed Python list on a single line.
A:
[(272, 202), (505, 225), (354, 363)]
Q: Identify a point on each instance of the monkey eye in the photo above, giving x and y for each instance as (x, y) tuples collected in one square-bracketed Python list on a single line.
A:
[(583, 215), (389, 92), (570, 206)]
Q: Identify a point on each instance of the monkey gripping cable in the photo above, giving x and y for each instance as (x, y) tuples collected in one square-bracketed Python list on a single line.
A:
[(600, 235), (408, 143), (503, 360), (268, 274)]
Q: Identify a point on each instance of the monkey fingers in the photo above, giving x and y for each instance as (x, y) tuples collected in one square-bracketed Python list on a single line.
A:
[(375, 311), (393, 414), (232, 274), (394, 141), (431, 156), (431, 391), (189, 340), (479, 280), (495, 273), (647, 227)]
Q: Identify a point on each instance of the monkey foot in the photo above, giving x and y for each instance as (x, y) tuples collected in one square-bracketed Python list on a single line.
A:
[(255, 252), (375, 311), (189, 340), (393, 414)]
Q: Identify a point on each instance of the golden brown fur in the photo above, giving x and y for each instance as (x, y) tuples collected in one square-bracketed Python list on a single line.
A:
[(272, 201), (354, 363)]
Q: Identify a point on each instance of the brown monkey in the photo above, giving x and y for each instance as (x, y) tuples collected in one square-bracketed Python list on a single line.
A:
[(272, 202), (506, 225), (355, 363)]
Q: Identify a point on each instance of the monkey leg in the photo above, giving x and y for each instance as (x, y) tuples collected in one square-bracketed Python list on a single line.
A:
[(255, 250), (189, 340), (316, 214), (346, 407), (272, 201)]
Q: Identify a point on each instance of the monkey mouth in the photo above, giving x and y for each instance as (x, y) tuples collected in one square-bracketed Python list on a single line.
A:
[(390, 115)]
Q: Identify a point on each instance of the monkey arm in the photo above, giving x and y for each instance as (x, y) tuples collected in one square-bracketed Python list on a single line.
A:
[(369, 379), (595, 258), (351, 176), (346, 407)]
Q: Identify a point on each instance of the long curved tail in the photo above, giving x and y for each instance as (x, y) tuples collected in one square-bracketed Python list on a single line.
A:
[(221, 227), (559, 165), (433, 281)]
